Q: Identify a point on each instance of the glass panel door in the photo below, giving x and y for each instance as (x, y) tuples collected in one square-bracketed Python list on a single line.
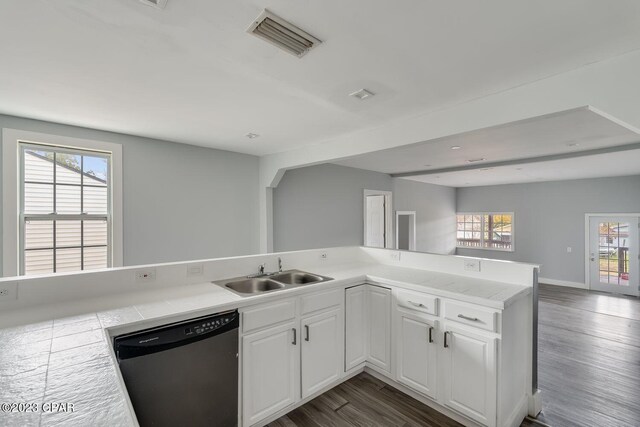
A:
[(613, 254)]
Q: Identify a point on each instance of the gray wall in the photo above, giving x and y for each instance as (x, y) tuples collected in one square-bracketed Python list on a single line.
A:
[(435, 207), (322, 206), (181, 202), (549, 217)]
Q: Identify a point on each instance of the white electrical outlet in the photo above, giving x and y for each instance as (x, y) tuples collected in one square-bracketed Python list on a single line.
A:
[(472, 265), (323, 255), (8, 291), (195, 270), (146, 275), (569, 249), (395, 255)]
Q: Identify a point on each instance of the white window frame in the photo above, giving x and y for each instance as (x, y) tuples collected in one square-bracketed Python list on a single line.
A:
[(11, 188), (482, 214)]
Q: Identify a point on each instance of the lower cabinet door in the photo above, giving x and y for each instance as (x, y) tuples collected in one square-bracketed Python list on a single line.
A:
[(416, 353), (469, 364), (380, 327), (322, 351), (270, 371), (356, 330)]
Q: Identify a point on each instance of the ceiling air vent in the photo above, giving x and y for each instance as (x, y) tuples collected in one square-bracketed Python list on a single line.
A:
[(160, 4), (282, 34)]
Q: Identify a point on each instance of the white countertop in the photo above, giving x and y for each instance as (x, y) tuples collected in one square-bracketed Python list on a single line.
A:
[(69, 359)]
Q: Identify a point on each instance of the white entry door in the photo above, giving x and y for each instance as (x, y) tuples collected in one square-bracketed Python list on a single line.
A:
[(375, 221), (613, 254)]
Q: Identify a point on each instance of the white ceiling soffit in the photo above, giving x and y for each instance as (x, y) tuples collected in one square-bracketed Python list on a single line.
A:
[(565, 133), (190, 73), (621, 163)]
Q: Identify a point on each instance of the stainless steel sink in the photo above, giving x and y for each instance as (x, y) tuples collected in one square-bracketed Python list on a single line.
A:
[(297, 277), (246, 286), (254, 285)]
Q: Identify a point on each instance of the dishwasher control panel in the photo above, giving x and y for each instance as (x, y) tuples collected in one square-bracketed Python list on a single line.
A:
[(170, 336), (209, 325)]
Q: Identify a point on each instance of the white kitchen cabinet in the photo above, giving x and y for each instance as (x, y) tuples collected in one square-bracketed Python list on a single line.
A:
[(321, 356), (380, 327), (368, 327), (356, 330), (417, 349), (270, 371), (469, 366), (295, 348)]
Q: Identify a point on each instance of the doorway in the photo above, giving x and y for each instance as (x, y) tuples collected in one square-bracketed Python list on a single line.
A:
[(612, 253), (406, 230), (378, 231)]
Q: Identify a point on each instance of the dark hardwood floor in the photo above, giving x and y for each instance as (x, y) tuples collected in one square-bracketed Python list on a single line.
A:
[(589, 371), (588, 358), (363, 401)]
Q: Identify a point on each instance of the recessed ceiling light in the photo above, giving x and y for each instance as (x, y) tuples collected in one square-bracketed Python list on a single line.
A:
[(252, 135), (456, 147), (481, 159), (362, 94), (572, 144)]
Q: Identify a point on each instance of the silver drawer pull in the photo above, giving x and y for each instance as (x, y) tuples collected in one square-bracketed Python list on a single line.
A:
[(417, 304), (473, 319)]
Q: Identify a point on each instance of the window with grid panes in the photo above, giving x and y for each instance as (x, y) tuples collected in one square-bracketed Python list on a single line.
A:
[(65, 217), (485, 231)]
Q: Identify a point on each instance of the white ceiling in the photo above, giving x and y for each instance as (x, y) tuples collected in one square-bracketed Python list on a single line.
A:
[(191, 74), (521, 144)]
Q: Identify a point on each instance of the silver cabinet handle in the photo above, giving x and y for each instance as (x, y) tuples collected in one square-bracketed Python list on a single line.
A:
[(430, 334), (295, 340), (417, 304), (473, 319), (306, 328), (446, 344)]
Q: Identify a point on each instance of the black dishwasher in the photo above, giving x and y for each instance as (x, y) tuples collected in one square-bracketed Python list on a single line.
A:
[(185, 373)]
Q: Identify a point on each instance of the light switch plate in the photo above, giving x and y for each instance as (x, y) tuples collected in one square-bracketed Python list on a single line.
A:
[(195, 270)]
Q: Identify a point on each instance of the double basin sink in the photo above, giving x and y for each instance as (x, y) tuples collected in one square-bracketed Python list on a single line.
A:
[(245, 286)]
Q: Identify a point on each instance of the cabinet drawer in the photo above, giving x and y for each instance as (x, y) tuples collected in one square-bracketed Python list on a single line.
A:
[(320, 301), (483, 318), (265, 315), (418, 301)]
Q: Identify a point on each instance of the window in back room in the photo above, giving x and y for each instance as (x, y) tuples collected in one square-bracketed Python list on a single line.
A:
[(65, 209), (483, 230)]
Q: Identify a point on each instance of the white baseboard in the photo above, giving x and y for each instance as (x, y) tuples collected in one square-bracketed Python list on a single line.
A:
[(563, 283), (535, 403)]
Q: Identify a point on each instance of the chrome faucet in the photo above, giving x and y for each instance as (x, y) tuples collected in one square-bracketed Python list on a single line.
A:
[(279, 265), (260, 272)]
